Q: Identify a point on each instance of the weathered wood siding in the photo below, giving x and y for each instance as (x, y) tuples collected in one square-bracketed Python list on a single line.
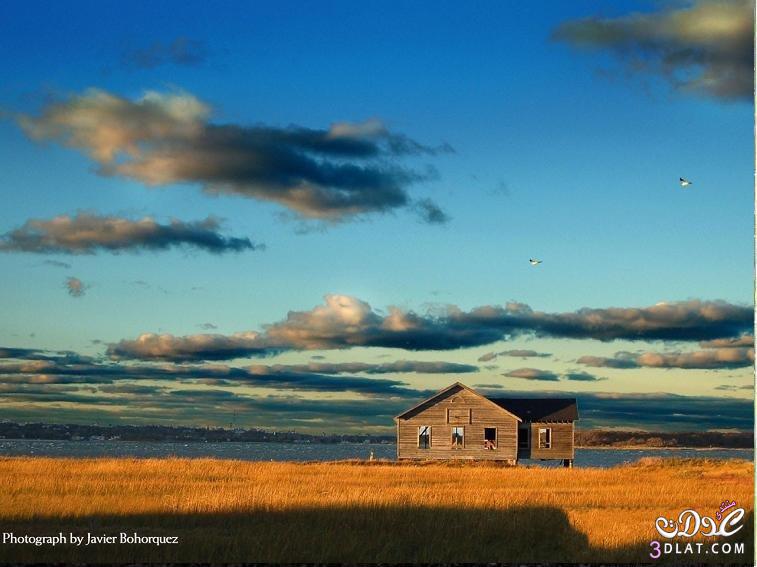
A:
[(562, 442), (458, 407)]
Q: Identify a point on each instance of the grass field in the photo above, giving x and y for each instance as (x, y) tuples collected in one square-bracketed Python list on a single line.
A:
[(233, 511)]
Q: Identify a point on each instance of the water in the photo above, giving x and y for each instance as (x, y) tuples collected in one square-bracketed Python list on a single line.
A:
[(313, 452)]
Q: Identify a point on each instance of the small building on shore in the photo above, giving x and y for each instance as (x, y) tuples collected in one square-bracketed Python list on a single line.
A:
[(459, 423)]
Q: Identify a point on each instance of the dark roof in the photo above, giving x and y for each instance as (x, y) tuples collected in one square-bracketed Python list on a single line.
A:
[(540, 409)]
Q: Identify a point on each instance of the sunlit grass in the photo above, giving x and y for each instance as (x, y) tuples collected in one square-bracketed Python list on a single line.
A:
[(613, 510)]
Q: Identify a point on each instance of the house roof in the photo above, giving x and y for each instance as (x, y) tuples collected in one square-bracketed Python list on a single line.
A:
[(540, 409), (440, 393)]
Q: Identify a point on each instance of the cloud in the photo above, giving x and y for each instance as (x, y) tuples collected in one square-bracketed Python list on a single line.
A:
[(39, 367), (181, 51), (54, 263), (622, 360), (59, 386), (160, 139), (582, 377), (76, 287), (533, 374), (429, 212), (734, 388), (151, 346), (711, 359), (664, 412), (345, 322), (208, 326), (88, 233), (705, 47), (651, 412), (548, 376), (397, 367), (524, 353), (203, 407), (740, 342), (520, 353)]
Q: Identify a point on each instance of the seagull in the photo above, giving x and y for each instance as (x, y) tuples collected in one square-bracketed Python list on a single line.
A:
[(534, 261), (684, 182)]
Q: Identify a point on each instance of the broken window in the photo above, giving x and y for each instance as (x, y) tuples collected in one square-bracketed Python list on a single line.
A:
[(545, 437), (490, 438), (424, 437), (458, 437)]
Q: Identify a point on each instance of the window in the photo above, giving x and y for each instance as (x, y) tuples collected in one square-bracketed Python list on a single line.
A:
[(424, 437), (545, 437), (490, 438), (458, 437), (524, 436)]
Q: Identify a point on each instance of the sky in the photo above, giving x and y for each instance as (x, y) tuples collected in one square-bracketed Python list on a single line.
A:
[(313, 216)]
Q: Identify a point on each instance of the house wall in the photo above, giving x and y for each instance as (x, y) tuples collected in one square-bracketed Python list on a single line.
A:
[(562, 442), (463, 408)]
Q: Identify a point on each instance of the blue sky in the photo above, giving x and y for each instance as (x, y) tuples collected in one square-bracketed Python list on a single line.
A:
[(563, 150)]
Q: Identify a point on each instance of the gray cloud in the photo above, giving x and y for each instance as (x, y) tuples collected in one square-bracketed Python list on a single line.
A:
[(704, 48), (398, 367), (583, 377), (522, 353), (519, 353), (29, 366), (54, 390), (533, 374), (54, 263), (659, 411), (204, 407), (429, 212), (161, 139), (653, 412), (711, 359), (624, 360), (345, 322), (734, 388), (181, 51), (548, 376), (88, 233), (75, 287)]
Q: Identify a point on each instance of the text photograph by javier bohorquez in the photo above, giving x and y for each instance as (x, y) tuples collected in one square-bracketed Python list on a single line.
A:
[(377, 282)]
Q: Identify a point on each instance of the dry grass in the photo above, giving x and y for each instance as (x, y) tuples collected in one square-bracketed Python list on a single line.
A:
[(226, 511)]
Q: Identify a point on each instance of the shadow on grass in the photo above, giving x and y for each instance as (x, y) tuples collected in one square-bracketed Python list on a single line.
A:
[(343, 535)]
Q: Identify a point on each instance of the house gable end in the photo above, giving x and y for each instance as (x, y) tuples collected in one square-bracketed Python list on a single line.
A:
[(446, 393)]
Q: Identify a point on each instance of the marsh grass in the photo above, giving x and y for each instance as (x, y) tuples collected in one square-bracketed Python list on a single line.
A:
[(234, 511)]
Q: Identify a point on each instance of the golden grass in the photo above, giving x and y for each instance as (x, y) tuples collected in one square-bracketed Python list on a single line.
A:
[(231, 511)]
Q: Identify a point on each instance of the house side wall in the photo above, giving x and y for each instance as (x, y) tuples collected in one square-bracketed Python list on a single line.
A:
[(464, 409), (562, 442)]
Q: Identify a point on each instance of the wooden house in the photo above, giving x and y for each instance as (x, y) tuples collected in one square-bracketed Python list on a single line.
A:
[(460, 423)]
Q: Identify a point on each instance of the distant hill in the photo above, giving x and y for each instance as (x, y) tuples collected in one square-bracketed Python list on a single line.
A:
[(696, 439)]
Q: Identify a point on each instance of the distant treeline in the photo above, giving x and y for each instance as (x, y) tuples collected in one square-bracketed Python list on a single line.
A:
[(600, 438), (79, 432)]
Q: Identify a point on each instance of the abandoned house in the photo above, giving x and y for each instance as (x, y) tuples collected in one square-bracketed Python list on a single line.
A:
[(460, 423)]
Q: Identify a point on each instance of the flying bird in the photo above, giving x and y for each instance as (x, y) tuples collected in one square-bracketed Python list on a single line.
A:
[(534, 261), (684, 182)]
